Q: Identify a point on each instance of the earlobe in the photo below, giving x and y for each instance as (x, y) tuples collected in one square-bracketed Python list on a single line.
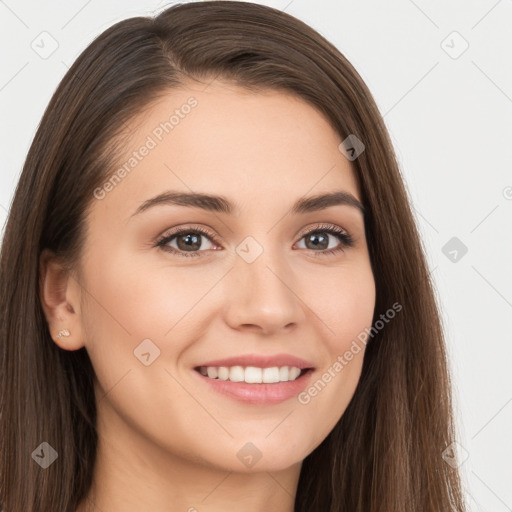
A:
[(64, 332), (59, 300)]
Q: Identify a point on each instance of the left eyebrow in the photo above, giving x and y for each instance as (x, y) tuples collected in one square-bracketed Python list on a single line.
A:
[(220, 204), (322, 201)]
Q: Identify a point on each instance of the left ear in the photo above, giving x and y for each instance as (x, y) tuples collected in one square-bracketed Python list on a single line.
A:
[(60, 299)]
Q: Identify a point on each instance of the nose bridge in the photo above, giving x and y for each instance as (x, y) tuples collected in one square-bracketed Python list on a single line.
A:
[(263, 292)]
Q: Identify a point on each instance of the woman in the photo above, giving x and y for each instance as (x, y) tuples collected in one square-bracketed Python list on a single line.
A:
[(214, 295)]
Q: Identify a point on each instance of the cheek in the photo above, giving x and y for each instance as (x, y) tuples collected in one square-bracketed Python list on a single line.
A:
[(136, 300), (344, 300), (130, 301), (346, 314)]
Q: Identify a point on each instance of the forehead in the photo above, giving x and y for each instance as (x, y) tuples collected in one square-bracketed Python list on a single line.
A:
[(259, 148)]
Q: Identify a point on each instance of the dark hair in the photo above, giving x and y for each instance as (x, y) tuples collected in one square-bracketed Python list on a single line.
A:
[(385, 453)]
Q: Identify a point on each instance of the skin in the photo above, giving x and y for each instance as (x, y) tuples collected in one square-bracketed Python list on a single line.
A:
[(166, 440)]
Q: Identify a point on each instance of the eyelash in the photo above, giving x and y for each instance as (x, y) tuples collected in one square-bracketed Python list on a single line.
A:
[(345, 238)]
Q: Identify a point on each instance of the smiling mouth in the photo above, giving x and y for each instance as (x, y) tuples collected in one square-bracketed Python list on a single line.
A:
[(253, 375)]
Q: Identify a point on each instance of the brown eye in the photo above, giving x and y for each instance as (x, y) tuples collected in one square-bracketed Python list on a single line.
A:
[(189, 242), (318, 239)]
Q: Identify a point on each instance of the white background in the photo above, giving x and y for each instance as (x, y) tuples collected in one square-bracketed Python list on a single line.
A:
[(450, 122)]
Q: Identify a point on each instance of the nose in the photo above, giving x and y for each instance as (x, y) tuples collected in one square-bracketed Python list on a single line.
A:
[(263, 296)]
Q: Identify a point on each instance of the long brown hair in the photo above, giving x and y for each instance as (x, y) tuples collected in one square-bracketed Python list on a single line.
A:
[(385, 453)]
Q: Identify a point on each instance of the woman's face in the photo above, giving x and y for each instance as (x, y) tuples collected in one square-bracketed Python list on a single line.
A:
[(256, 284)]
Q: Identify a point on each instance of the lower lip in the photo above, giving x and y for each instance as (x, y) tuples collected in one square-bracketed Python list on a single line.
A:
[(264, 394)]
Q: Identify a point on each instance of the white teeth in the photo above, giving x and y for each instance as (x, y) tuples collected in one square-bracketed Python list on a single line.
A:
[(223, 373), (294, 373), (271, 375), (252, 374), (236, 374)]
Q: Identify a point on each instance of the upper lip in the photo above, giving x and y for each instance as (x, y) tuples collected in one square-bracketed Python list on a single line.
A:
[(260, 361)]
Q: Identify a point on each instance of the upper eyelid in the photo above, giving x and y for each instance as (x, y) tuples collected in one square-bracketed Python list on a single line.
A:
[(321, 226)]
